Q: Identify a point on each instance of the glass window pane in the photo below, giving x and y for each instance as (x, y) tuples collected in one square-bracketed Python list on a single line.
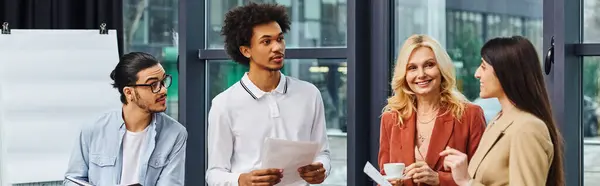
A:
[(150, 26), (315, 23), (161, 24), (328, 75), (590, 113), (591, 21), (463, 29)]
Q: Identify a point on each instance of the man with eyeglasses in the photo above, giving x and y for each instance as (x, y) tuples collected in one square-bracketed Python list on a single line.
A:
[(137, 143)]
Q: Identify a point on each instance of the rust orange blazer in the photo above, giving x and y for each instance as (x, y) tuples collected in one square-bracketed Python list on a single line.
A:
[(397, 143)]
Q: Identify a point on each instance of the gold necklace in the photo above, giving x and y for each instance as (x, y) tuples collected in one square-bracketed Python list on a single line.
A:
[(434, 111), (421, 138), (432, 118), (500, 114), (424, 113)]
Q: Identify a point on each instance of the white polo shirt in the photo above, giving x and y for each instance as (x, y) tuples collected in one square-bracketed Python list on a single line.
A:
[(242, 116)]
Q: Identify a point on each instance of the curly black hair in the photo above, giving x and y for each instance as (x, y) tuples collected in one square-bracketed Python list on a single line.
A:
[(239, 24)]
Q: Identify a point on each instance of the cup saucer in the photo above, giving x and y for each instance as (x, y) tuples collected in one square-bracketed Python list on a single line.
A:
[(388, 177)]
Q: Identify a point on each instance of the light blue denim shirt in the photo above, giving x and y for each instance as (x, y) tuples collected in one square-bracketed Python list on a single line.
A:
[(97, 155)]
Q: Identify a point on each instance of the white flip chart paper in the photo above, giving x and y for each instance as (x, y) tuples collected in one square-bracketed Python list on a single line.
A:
[(53, 81)]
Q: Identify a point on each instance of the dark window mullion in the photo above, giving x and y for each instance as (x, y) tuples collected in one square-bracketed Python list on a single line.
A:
[(293, 53), (587, 49)]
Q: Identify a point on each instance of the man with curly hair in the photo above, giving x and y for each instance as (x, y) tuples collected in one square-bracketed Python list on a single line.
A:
[(263, 104)]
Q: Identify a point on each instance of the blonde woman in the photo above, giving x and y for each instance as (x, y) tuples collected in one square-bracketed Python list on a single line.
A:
[(426, 114)]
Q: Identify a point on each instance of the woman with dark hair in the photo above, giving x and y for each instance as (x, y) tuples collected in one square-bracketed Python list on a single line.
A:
[(522, 145)]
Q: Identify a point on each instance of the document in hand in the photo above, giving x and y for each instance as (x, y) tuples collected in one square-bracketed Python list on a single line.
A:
[(372, 172), (289, 156), (78, 181)]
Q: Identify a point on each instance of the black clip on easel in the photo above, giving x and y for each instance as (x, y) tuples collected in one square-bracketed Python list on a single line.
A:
[(103, 29), (5, 28)]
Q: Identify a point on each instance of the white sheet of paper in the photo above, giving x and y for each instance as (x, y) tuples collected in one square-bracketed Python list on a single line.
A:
[(78, 181), (372, 172), (53, 82), (3, 176), (289, 156)]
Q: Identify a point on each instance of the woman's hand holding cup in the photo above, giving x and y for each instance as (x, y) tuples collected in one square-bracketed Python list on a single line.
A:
[(394, 173)]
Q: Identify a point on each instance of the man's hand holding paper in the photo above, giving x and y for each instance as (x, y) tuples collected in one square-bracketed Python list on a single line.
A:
[(296, 158), (266, 177), (313, 173)]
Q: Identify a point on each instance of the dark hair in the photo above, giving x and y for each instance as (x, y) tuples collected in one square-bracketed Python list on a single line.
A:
[(125, 73), (240, 22), (519, 71)]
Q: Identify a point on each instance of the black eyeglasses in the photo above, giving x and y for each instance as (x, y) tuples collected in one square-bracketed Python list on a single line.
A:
[(156, 86)]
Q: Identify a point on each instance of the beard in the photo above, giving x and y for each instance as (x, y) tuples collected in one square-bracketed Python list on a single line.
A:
[(144, 105), (266, 67), (270, 69)]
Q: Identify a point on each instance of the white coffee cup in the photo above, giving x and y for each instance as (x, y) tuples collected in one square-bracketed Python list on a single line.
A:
[(394, 170)]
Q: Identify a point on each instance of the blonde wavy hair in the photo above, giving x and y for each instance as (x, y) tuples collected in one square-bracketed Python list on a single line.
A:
[(403, 99)]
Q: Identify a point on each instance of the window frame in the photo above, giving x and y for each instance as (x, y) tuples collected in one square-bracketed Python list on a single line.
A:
[(562, 24)]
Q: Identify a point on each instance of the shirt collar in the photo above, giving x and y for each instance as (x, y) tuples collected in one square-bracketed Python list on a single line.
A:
[(122, 121), (256, 93)]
